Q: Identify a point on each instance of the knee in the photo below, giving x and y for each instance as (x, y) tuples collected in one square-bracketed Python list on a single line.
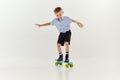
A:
[(58, 44), (66, 43)]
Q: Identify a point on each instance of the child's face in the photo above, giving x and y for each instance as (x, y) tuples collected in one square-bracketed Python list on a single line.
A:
[(59, 14)]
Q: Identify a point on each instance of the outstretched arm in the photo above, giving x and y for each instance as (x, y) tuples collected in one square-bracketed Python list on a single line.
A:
[(78, 23), (41, 25)]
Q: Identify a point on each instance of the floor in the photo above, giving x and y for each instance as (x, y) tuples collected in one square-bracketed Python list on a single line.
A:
[(85, 68)]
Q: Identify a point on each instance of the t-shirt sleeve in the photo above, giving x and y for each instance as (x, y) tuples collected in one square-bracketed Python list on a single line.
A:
[(69, 20), (52, 22)]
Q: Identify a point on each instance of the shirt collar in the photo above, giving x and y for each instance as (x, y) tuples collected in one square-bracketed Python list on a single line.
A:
[(61, 19)]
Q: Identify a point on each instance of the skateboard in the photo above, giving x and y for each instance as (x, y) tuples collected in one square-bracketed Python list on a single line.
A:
[(67, 64), (58, 63)]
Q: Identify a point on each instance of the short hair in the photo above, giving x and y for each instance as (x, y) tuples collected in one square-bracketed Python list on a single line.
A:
[(57, 9)]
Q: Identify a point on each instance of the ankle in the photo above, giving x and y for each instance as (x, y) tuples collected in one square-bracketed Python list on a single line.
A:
[(67, 52)]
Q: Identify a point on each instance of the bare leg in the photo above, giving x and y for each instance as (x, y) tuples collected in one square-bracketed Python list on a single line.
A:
[(67, 46), (60, 58), (59, 48), (67, 51)]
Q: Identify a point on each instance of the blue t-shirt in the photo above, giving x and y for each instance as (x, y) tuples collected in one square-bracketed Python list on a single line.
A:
[(62, 25)]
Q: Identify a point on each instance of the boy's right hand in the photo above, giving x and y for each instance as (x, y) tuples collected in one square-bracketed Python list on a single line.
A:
[(38, 25)]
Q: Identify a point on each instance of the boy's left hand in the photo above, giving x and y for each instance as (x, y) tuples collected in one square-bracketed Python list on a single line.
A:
[(80, 25)]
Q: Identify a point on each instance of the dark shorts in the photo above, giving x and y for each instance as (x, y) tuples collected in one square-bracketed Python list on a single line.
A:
[(64, 37)]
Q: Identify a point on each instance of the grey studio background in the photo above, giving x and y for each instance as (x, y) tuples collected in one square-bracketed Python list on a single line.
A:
[(28, 52)]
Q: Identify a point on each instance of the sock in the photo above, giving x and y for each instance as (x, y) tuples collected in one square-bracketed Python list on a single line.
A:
[(67, 55), (67, 52), (60, 56), (60, 53)]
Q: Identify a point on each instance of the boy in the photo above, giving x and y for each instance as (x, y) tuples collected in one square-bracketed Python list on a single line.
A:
[(62, 24)]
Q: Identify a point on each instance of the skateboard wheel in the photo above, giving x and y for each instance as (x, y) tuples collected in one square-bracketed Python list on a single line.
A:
[(60, 63), (67, 65), (71, 65), (56, 63)]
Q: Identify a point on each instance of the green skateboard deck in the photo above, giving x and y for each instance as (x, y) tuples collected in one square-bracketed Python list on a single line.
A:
[(67, 64)]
